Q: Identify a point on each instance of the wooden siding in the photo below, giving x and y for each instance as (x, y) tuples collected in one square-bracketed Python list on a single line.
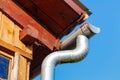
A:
[(11, 45), (9, 36), (22, 68)]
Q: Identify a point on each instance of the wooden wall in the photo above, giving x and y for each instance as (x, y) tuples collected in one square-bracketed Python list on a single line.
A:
[(9, 41), (9, 32)]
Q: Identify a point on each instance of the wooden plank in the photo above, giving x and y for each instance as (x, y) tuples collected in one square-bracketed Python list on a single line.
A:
[(60, 13), (0, 18), (50, 24), (11, 48), (0, 24), (22, 74), (22, 18), (10, 68), (73, 5), (81, 5), (29, 35), (16, 41), (28, 70), (16, 66), (28, 49), (7, 31)]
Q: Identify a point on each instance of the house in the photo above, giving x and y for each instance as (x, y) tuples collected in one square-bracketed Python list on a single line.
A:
[(32, 29)]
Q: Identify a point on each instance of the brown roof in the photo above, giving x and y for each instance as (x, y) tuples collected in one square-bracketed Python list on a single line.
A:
[(57, 16)]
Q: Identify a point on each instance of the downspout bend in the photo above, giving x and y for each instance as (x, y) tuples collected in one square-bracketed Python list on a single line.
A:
[(67, 56)]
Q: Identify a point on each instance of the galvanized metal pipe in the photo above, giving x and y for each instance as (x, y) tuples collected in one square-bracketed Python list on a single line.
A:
[(60, 57)]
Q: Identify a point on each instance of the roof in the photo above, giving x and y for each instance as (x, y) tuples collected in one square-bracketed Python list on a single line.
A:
[(57, 16)]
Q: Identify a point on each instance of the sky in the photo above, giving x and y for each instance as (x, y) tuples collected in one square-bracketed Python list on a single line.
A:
[(103, 59)]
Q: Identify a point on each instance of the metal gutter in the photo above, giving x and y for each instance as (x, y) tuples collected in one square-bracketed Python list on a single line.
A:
[(86, 29)]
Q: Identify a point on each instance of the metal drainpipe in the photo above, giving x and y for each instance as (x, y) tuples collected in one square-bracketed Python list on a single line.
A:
[(60, 57), (67, 56)]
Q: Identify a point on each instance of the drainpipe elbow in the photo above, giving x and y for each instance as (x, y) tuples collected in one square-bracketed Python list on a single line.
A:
[(66, 56)]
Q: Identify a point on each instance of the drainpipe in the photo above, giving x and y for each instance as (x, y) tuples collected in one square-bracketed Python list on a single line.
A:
[(60, 57), (67, 56)]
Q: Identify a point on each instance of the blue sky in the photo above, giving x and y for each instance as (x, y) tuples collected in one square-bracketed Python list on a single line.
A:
[(103, 60)]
